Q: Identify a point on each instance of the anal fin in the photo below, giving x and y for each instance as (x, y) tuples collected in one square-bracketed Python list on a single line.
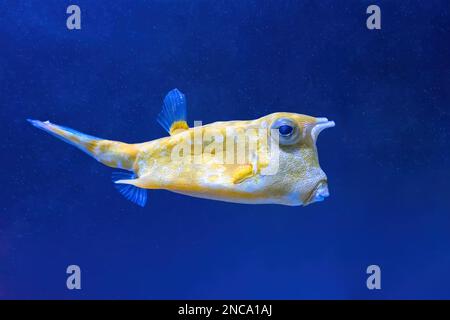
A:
[(130, 192)]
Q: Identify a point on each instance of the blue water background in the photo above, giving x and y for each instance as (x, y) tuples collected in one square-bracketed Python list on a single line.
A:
[(387, 159)]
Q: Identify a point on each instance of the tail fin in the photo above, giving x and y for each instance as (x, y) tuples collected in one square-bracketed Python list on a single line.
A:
[(111, 153)]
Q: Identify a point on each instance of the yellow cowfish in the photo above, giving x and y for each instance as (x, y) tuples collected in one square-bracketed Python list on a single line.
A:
[(272, 159)]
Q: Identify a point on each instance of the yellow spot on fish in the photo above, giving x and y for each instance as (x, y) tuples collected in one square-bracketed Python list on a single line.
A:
[(242, 172), (178, 126)]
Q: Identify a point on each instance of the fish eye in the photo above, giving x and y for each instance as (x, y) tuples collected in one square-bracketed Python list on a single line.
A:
[(285, 130), (288, 131)]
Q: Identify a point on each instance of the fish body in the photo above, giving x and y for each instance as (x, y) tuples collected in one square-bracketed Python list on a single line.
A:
[(272, 159)]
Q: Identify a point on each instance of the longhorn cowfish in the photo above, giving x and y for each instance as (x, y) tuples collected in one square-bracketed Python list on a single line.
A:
[(272, 159)]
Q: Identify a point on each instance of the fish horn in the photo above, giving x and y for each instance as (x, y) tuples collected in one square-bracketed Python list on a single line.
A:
[(321, 124)]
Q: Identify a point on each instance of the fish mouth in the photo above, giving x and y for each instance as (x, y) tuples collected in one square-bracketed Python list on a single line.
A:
[(319, 193)]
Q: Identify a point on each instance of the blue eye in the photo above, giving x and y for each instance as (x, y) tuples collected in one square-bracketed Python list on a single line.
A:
[(285, 130), (289, 133)]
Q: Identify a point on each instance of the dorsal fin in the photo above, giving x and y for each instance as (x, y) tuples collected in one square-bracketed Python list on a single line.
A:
[(173, 114)]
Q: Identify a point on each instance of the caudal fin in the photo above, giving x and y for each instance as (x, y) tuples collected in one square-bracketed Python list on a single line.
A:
[(111, 153)]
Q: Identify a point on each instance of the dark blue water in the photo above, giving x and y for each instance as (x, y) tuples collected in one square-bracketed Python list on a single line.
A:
[(387, 159)]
